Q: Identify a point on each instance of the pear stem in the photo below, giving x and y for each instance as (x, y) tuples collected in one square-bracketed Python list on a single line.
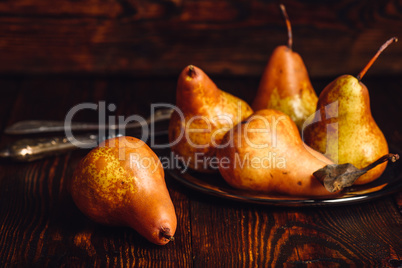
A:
[(387, 157), (289, 27), (165, 234), (191, 71), (382, 48), (168, 237)]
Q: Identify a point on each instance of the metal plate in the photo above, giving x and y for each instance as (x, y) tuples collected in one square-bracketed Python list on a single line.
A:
[(213, 184)]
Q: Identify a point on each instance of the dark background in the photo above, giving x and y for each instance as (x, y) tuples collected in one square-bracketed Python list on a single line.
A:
[(57, 54), (161, 37)]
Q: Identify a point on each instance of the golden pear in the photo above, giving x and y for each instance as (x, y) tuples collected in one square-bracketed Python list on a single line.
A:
[(343, 127), (121, 182), (205, 113), (285, 84), (265, 153)]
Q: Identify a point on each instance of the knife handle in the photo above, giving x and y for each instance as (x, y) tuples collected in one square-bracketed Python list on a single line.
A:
[(26, 150)]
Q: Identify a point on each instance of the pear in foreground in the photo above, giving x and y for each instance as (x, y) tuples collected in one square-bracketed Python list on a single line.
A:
[(343, 127), (121, 183), (285, 84), (265, 153), (203, 116)]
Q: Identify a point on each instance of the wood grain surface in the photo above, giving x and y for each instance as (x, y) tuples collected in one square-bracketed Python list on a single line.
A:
[(40, 226), (161, 37)]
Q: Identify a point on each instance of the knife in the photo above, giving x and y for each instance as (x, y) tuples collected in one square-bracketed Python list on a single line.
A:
[(27, 150), (47, 126), (31, 149)]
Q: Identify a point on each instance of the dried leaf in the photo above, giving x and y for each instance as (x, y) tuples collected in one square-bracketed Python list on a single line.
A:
[(336, 177)]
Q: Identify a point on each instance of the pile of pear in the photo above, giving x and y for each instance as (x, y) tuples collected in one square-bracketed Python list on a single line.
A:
[(258, 148), (341, 138)]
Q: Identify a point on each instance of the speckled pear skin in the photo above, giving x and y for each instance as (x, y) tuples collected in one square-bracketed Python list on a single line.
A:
[(208, 113), (266, 154), (344, 128), (115, 185), (285, 86)]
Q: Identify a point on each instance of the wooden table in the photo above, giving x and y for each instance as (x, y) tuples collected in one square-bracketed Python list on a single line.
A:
[(41, 226)]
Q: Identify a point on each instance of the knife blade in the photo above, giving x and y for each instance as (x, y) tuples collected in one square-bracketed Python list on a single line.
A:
[(31, 149), (49, 126), (27, 150)]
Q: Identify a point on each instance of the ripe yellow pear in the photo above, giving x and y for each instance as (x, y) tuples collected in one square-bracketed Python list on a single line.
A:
[(121, 182), (265, 153), (204, 115), (285, 84), (343, 127)]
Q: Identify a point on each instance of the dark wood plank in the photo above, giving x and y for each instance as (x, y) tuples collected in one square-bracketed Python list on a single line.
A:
[(40, 225), (398, 198), (248, 236), (366, 234), (36, 9), (9, 87), (162, 37)]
